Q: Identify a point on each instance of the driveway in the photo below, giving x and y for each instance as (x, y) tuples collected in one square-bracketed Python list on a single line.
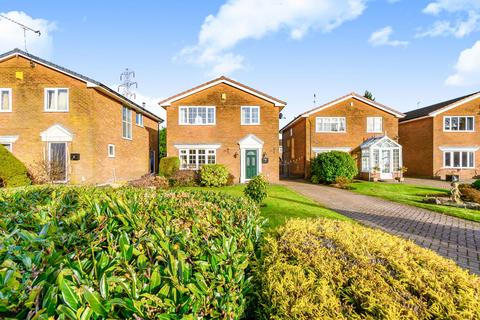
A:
[(451, 237), (441, 184)]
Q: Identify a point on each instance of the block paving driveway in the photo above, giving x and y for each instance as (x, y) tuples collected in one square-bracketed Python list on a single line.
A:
[(451, 237)]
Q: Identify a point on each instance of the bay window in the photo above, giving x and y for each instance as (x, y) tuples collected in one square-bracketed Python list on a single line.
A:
[(193, 159), (330, 124), (197, 115)]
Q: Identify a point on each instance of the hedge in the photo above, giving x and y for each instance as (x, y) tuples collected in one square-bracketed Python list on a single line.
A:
[(168, 166), (80, 252), (213, 175), (12, 171), (327, 166), (319, 269)]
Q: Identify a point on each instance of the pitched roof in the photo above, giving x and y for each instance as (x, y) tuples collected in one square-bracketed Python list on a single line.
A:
[(343, 98), (427, 111), (222, 79), (89, 81)]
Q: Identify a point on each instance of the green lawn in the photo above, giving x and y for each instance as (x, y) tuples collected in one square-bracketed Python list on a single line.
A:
[(412, 195), (281, 204)]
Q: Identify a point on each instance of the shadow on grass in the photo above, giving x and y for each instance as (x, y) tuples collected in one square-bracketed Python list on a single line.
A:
[(315, 205)]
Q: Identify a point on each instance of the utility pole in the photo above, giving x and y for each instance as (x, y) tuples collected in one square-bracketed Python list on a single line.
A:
[(127, 85)]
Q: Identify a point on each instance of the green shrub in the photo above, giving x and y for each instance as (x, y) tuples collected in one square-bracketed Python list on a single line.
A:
[(326, 269), (12, 171), (86, 253), (214, 175), (184, 178), (256, 189), (328, 166), (168, 166), (476, 184)]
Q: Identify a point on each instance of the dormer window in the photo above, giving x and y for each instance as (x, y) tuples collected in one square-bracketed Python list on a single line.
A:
[(197, 116), (56, 100)]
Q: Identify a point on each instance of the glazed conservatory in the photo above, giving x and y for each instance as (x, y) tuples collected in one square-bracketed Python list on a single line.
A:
[(381, 158)]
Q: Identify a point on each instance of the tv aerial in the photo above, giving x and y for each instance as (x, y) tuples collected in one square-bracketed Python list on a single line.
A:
[(25, 29)]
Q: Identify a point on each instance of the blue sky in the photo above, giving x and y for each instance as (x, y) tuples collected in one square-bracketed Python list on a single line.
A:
[(404, 51)]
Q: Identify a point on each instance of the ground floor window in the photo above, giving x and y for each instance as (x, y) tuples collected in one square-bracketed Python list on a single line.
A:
[(193, 159), (8, 146), (459, 159), (365, 160)]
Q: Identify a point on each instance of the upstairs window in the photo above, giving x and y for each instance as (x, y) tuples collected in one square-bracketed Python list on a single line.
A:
[(126, 123), (56, 99), (5, 100), (331, 124), (250, 116), (139, 119), (197, 115), (375, 124), (464, 123)]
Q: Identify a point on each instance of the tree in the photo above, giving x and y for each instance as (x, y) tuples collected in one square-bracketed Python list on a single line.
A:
[(162, 143), (369, 95)]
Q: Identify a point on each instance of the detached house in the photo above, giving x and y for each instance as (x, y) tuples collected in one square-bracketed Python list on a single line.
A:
[(364, 128), (226, 122), (441, 140), (73, 127)]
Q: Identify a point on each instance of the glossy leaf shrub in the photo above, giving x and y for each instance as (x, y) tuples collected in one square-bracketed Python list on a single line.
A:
[(168, 166), (13, 172), (327, 166), (326, 269), (213, 175), (256, 189), (86, 253)]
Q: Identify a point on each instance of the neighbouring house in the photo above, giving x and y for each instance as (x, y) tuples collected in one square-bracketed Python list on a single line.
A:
[(440, 141), (226, 122), (364, 128), (72, 128)]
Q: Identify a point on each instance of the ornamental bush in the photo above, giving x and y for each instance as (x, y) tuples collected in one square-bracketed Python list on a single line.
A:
[(256, 189), (184, 178), (168, 166), (327, 166), (213, 175), (476, 184), (91, 253), (326, 269), (13, 172)]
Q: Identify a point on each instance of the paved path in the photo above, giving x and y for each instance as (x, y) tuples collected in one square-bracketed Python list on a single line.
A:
[(431, 182), (451, 237)]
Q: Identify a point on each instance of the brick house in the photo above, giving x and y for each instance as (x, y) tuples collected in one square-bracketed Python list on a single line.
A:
[(75, 128), (226, 122), (441, 140), (364, 128)]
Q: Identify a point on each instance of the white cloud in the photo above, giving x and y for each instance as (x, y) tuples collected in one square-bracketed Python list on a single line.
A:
[(382, 36), (12, 35), (467, 68), (238, 20), (468, 10)]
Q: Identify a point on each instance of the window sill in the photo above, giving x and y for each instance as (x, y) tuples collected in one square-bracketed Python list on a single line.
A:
[(129, 139), (200, 125), (459, 168), (55, 111), (459, 131), (330, 131), (251, 124), (141, 126), (374, 131), (6, 111)]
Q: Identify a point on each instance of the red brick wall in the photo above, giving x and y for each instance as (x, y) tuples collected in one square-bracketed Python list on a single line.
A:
[(416, 137), (228, 130), (294, 149)]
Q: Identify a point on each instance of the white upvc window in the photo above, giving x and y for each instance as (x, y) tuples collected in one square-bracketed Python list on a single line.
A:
[(331, 124), (250, 115), (8, 146), (196, 115), (374, 124), (5, 100), (459, 159), (56, 99), (111, 151), (459, 123), (193, 159), (126, 123), (139, 119)]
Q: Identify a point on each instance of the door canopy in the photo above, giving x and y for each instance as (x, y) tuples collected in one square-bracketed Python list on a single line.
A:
[(250, 142), (56, 133)]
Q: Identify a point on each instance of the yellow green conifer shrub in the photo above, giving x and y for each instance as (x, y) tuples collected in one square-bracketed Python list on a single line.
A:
[(324, 269)]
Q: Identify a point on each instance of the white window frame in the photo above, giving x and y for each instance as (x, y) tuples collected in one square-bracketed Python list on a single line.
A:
[(243, 123), (126, 122), (186, 122), (9, 144), (197, 165), (327, 131), (111, 154), (137, 123), (470, 153), (373, 127), (458, 117), (45, 102), (10, 107)]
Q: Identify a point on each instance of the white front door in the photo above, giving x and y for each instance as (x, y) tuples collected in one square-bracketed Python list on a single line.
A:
[(386, 171)]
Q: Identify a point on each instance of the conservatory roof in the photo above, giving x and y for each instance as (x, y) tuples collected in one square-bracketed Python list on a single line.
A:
[(376, 141)]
